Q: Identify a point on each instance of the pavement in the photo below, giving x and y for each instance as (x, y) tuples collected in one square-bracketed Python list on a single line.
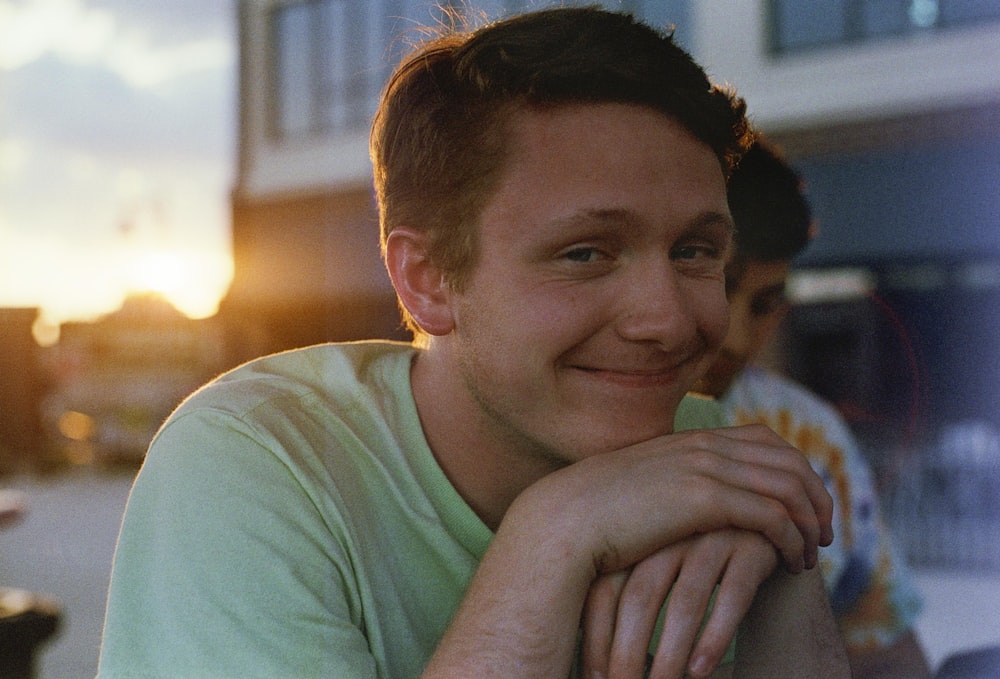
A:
[(62, 546)]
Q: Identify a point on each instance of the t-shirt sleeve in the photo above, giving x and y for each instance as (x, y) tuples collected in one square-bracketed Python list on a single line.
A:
[(225, 568)]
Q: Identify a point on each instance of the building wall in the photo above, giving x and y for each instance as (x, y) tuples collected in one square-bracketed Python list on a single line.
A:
[(857, 81), (20, 390), (304, 227), (308, 270)]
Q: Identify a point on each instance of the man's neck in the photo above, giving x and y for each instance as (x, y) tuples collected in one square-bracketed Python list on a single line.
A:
[(486, 470)]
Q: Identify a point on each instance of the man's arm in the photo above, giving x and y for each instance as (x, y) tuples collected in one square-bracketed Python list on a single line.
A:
[(790, 632), (903, 659), (718, 572), (521, 612)]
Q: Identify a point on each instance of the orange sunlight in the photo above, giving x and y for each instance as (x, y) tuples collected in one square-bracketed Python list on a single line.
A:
[(81, 283), (115, 170), (194, 282)]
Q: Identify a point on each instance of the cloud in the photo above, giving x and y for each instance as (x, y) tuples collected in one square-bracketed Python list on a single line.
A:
[(29, 30), (117, 128), (175, 20), (91, 109), (120, 77), (145, 42)]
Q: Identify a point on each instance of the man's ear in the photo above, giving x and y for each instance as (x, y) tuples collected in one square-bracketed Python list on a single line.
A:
[(420, 285)]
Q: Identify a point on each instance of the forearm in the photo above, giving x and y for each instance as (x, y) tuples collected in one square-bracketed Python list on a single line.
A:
[(790, 632), (520, 615), (904, 659)]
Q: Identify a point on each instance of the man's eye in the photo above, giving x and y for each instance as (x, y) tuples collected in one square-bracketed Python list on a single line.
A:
[(583, 255), (769, 305), (695, 251)]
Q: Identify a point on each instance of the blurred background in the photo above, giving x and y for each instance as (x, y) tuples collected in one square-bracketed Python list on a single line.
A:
[(185, 185)]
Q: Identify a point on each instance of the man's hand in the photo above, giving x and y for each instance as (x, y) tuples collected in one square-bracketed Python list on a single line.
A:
[(622, 608), (612, 511), (627, 504)]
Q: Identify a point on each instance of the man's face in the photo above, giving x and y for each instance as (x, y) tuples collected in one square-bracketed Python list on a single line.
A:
[(757, 304), (599, 294)]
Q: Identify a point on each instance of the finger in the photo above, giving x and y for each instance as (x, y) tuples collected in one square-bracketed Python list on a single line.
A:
[(787, 489), (714, 504), (600, 613), (764, 446), (774, 470), (761, 444), (639, 607), (688, 604), (788, 541), (747, 568)]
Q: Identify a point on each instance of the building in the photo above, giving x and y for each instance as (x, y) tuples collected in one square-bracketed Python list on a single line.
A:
[(115, 380), (21, 385), (890, 107), (840, 78)]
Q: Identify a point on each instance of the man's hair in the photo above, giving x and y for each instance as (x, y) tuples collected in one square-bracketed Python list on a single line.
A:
[(770, 210), (441, 134)]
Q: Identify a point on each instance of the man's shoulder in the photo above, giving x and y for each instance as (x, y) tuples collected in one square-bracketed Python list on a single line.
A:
[(763, 395), (321, 372), (759, 385)]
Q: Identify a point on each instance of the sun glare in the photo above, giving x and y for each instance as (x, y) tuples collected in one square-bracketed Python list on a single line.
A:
[(157, 272), (92, 213), (83, 284), (192, 281)]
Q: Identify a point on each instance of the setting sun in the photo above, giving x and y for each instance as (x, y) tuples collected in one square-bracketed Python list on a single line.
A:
[(158, 272), (72, 282), (115, 162), (192, 281)]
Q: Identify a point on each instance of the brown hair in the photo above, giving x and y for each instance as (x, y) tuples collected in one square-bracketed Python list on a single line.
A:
[(439, 138)]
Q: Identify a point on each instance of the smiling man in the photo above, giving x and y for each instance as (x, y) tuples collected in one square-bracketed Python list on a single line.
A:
[(506, 497)]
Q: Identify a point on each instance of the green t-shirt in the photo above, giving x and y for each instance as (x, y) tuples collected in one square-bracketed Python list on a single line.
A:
[(291, 521)]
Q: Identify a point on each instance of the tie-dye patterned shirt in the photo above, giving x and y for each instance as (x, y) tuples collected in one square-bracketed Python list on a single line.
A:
[(871, 589)]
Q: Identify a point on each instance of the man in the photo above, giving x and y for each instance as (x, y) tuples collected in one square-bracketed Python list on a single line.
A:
[(871, 591), (462, 509)]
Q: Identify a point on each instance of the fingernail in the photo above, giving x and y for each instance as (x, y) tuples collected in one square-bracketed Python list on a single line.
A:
[(700, 666)]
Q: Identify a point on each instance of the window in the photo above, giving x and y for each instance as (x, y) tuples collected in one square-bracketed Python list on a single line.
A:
[(330, 59), (797, 25)]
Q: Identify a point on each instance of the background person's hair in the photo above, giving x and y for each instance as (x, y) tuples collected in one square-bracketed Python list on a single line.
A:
[(769, 207), (440, 136)]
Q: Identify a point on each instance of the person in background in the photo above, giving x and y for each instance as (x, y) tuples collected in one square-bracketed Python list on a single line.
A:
[(477, 502), (871, 590)]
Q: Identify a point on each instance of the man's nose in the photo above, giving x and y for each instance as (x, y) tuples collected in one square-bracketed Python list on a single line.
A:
[(656, 308)]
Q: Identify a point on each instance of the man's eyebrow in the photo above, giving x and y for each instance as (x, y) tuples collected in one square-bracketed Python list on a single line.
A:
[(712, 219), (625, 217), (595, 217)]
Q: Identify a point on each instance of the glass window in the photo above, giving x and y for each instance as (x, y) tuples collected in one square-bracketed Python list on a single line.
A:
[(885, 17), (292, 70), (796, 25), (342, 81), (331, 58), (960, 11)]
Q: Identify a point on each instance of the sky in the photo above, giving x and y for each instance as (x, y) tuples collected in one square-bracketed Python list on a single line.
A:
[(117, 153)]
